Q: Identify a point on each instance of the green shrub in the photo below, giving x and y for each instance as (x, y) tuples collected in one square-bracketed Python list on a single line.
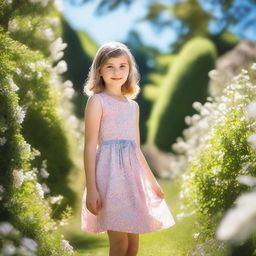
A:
[(186, 81), (210, 184), (33, 136)]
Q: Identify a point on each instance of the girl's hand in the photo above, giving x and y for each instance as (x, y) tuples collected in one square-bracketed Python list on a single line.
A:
[(93, 201), (158, 190)]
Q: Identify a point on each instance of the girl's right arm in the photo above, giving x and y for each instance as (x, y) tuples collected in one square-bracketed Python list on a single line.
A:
[(92, 117)]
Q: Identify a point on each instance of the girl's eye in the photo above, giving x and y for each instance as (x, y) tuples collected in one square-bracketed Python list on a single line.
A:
[(123, 66)]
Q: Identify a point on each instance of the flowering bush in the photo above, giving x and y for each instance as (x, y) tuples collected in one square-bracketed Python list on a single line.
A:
[(217, 148), (32, 98), (240, 222)]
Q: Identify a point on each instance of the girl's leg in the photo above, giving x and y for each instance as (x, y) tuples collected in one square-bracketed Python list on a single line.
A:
[(118, 243), (133, 244)]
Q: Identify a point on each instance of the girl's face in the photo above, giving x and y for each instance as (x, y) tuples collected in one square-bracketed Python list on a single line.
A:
[(115, 71)]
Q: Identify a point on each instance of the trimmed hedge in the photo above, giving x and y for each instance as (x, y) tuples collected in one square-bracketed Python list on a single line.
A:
[(185, 82)]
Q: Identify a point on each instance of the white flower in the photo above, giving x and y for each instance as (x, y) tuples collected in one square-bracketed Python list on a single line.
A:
[(62, 223), (181, 194), (35, 153), (195, 235), (69, 92), (29, 243), (188, 120), (56, 49), (39, 190), (250, 110), (13, 26), (44, 173), (247, 180), (246, 167), (214, 74), (68, 84), (252, 140), (239, 222), (58, 5), (48, 34), (18, 177), (66, 246), (30, 175), (253, 66), (13, 85), (215, 171), (44, 3), (56, 199), (61, 67), (45, 188), (197, 105), (39, 74), (5, 228), (25, 148), (53, 21), (18, 71), (43, 64), (31, 217), (3, 128), (2, 141), (8, 248), (8, 1), (20, 114), (205, 111), (32, 66)]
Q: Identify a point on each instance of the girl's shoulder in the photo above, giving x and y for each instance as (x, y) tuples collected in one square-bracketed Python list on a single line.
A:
[(95, 97)]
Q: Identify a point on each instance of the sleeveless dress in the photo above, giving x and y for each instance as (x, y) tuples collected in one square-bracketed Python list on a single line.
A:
[(128, 203)]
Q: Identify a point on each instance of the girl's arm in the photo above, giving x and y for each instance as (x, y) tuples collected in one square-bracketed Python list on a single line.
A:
[(92, 117)]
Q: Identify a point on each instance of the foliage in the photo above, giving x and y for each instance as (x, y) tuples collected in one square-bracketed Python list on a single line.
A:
[(33, 131), (215, 20), (180, 88), (224, 151)]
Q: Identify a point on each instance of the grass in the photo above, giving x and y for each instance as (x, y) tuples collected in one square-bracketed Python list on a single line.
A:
[(176, 240)]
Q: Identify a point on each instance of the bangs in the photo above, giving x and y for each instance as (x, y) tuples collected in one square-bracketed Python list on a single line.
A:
[(112, 54), (116, 53)]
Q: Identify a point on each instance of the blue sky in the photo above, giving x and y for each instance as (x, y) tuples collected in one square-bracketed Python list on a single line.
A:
[(115, 25)]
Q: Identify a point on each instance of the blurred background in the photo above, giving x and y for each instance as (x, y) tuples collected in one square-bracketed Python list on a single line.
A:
[(197, 120)]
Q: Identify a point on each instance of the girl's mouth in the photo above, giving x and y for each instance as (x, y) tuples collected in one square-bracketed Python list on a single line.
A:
[(116, 78)]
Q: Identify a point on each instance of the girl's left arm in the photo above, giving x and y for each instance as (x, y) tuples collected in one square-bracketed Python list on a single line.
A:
[(153, 182)]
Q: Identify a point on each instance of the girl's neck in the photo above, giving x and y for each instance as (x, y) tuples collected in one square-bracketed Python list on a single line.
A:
[(112, 93)]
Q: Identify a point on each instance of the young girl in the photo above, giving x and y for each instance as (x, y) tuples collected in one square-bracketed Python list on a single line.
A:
[(122, 197)]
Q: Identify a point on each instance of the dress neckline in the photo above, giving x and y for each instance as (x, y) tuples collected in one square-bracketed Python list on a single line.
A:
[(111, 96)]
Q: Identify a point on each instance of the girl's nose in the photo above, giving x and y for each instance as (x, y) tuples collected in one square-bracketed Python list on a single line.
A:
[(116, 71)]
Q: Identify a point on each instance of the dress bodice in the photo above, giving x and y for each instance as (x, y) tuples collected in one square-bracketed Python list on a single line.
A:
[(118, 119)]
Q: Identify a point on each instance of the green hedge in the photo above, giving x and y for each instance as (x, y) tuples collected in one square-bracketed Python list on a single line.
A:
[(33, 137), (186, 81)]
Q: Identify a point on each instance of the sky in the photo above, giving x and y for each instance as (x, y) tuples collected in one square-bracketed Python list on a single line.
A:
[(115, 25)]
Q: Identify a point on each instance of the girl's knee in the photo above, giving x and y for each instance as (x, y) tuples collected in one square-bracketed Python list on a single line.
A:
[(118, 243)]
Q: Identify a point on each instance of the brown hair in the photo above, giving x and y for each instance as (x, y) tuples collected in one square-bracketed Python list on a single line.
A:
[(94, 82)]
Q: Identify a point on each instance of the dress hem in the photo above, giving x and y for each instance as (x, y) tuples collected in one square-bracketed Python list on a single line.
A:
[(113, 229)]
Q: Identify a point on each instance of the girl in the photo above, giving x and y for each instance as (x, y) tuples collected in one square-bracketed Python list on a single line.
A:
[(122, 196)]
